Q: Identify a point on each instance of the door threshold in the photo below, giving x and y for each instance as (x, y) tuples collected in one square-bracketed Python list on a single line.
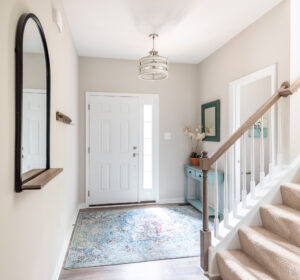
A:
[(128, 205), (107, 205)]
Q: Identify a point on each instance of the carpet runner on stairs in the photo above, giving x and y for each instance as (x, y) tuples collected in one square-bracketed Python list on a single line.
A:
[(271, 251)]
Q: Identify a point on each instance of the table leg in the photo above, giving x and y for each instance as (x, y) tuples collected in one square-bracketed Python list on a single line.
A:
[(197, 190), (186, 192)]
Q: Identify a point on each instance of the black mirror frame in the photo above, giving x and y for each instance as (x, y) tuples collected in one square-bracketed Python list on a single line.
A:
[(19, 98)]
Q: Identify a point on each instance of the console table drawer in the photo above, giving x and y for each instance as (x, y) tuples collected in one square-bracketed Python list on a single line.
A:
[(198, 174), (190, 172)]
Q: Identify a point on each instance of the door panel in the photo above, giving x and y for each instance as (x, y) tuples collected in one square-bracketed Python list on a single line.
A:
[(34, 131), (114, 131)]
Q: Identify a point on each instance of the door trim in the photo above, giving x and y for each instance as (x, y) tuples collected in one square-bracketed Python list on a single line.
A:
[(234, 116), (28, 90), (143, 98)]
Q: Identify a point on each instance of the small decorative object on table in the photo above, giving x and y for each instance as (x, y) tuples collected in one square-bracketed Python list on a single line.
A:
[(196, 137)]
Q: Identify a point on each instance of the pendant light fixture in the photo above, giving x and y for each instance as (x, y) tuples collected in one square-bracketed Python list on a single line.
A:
[(153, 66)]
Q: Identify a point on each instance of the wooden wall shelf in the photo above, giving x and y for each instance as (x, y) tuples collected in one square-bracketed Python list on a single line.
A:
[(41, 180), (31, 173)]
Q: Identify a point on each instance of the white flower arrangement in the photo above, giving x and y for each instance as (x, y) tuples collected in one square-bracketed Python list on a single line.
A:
[(196, 137)]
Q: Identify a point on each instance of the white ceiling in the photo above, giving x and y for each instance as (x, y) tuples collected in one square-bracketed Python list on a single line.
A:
[(189, 30)]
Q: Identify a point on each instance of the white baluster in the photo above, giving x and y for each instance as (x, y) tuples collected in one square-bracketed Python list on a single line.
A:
[(272, 143), (225, 201), (244, 168), (262, 154), (216, 220), (252, 182), (230, 177), (236, 181), (279, 155)]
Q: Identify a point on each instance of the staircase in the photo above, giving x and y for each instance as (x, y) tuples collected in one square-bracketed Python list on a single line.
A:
[(268, 252), (271, 251)]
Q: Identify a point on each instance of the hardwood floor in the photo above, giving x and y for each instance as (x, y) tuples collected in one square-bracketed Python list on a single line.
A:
[(176, 269)]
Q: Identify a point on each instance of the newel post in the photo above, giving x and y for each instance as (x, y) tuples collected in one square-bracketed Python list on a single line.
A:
[(205, 234)]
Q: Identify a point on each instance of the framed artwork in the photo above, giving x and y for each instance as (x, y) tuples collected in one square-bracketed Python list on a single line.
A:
[(210, 115)]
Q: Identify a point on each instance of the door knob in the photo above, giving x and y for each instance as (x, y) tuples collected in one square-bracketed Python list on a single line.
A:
[(134, 147), (134, 154)]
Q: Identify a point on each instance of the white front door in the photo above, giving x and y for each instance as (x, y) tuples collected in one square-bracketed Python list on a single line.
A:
[(34, 130), (113, 149)]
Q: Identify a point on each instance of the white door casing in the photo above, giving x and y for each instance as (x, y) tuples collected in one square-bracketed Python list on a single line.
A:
[(235, 122), (114, 145)]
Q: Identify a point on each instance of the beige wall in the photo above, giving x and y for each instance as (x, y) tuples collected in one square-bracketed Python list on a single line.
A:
[(34, 223), (264, 43), (177, 108), (34, 71)]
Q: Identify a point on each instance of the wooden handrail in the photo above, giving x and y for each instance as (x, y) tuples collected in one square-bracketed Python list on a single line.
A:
[(295, 86), (284, 91)]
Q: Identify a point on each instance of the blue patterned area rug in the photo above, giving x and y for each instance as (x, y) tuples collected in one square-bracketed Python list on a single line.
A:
[(107, 237)]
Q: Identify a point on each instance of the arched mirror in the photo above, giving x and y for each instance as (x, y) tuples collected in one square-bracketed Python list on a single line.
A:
[(32, 154)]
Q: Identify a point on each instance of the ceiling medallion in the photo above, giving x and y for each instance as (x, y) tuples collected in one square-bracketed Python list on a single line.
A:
[(153, 66)]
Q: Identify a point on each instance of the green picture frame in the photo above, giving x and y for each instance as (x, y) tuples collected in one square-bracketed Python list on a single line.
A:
[(210, 120)]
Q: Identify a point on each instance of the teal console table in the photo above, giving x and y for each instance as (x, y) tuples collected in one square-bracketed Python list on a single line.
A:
[(195, 173)]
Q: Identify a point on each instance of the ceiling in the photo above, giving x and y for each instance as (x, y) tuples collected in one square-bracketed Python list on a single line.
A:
[(189, 30)]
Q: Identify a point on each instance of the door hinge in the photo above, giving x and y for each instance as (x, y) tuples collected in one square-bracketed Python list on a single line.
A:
[(89, 150), (88, 193), (89, 106)]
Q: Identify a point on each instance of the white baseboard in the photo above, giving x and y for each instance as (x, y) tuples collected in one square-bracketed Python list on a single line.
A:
[(65, 246), (82, 206), (171, 200)]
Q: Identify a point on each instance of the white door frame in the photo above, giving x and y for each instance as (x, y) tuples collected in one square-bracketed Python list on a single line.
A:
[(28, 90), (144, 99), (234, 118)]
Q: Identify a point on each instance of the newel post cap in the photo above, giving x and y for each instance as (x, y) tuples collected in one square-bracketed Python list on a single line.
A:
[(204, 161), (204, 154)]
